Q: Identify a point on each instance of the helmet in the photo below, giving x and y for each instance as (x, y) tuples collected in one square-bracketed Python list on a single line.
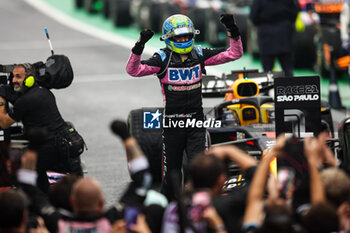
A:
[(177, 25)]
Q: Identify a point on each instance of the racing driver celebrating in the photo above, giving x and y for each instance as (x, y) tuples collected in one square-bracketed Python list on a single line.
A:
[(179, 68)]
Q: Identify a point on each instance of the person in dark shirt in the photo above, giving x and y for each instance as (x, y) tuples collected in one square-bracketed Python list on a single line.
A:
[(36, 107), (275, 20)]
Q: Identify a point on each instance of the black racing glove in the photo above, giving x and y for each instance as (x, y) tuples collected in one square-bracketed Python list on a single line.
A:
[(145, 35), (229, 22), (121, 129)]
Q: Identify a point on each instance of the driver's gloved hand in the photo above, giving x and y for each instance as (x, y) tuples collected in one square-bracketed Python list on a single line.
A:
[(145, 35), (229, 22)]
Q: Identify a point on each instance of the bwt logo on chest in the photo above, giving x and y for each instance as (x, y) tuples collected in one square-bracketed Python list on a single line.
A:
[(183, 74)]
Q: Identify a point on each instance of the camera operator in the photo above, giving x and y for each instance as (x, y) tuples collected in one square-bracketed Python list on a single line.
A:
[(36, 108)]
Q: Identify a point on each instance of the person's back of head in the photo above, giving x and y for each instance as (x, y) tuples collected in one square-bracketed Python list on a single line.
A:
[(205, 171), (278, 218), (87, 198), (60, 192), (336, 184), (13, 211), (321, 218)]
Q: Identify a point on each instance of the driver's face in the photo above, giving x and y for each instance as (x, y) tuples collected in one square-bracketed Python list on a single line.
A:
[(182, 38), (19, 74)]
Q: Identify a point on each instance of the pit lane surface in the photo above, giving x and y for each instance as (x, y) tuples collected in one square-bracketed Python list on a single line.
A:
[(101, 91)]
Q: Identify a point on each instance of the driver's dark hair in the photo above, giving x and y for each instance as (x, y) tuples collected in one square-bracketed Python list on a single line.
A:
[(13, 204), (205, 170)]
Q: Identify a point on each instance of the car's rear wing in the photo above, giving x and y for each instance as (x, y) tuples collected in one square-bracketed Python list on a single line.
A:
[(214, 86)]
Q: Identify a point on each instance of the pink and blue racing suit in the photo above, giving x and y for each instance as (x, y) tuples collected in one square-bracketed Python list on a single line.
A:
[(180, 78)]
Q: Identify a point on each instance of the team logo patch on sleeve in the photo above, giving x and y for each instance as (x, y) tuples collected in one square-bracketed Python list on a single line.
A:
[(199, 50), (162, 54)]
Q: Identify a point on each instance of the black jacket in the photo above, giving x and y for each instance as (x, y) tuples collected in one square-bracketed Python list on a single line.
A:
[(274, 20)]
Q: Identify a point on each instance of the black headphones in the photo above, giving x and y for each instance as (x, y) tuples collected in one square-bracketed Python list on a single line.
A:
[(29, 80)]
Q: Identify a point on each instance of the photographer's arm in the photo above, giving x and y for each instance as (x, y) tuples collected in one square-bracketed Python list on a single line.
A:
[(5, 120), (27, 181), (137, 164), (241, 158), (254, 209), (312, 150), (255, 203)]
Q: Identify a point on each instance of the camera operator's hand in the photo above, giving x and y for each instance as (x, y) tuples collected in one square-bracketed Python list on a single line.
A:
[(145, 35), (4, 91), (229, 22), (3, 100), (7, 92)]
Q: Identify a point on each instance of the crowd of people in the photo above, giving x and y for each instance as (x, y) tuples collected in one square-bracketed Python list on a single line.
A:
[(317, 199), (308, 194)]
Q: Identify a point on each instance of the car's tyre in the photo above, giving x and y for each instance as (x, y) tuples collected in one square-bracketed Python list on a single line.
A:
[(149, 15), (120, 12), (105, 8), (167, 10), (215, 31), (79, 3), (156, 16), (89, 6), (198, 16), (152, 14), (150, 141)]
